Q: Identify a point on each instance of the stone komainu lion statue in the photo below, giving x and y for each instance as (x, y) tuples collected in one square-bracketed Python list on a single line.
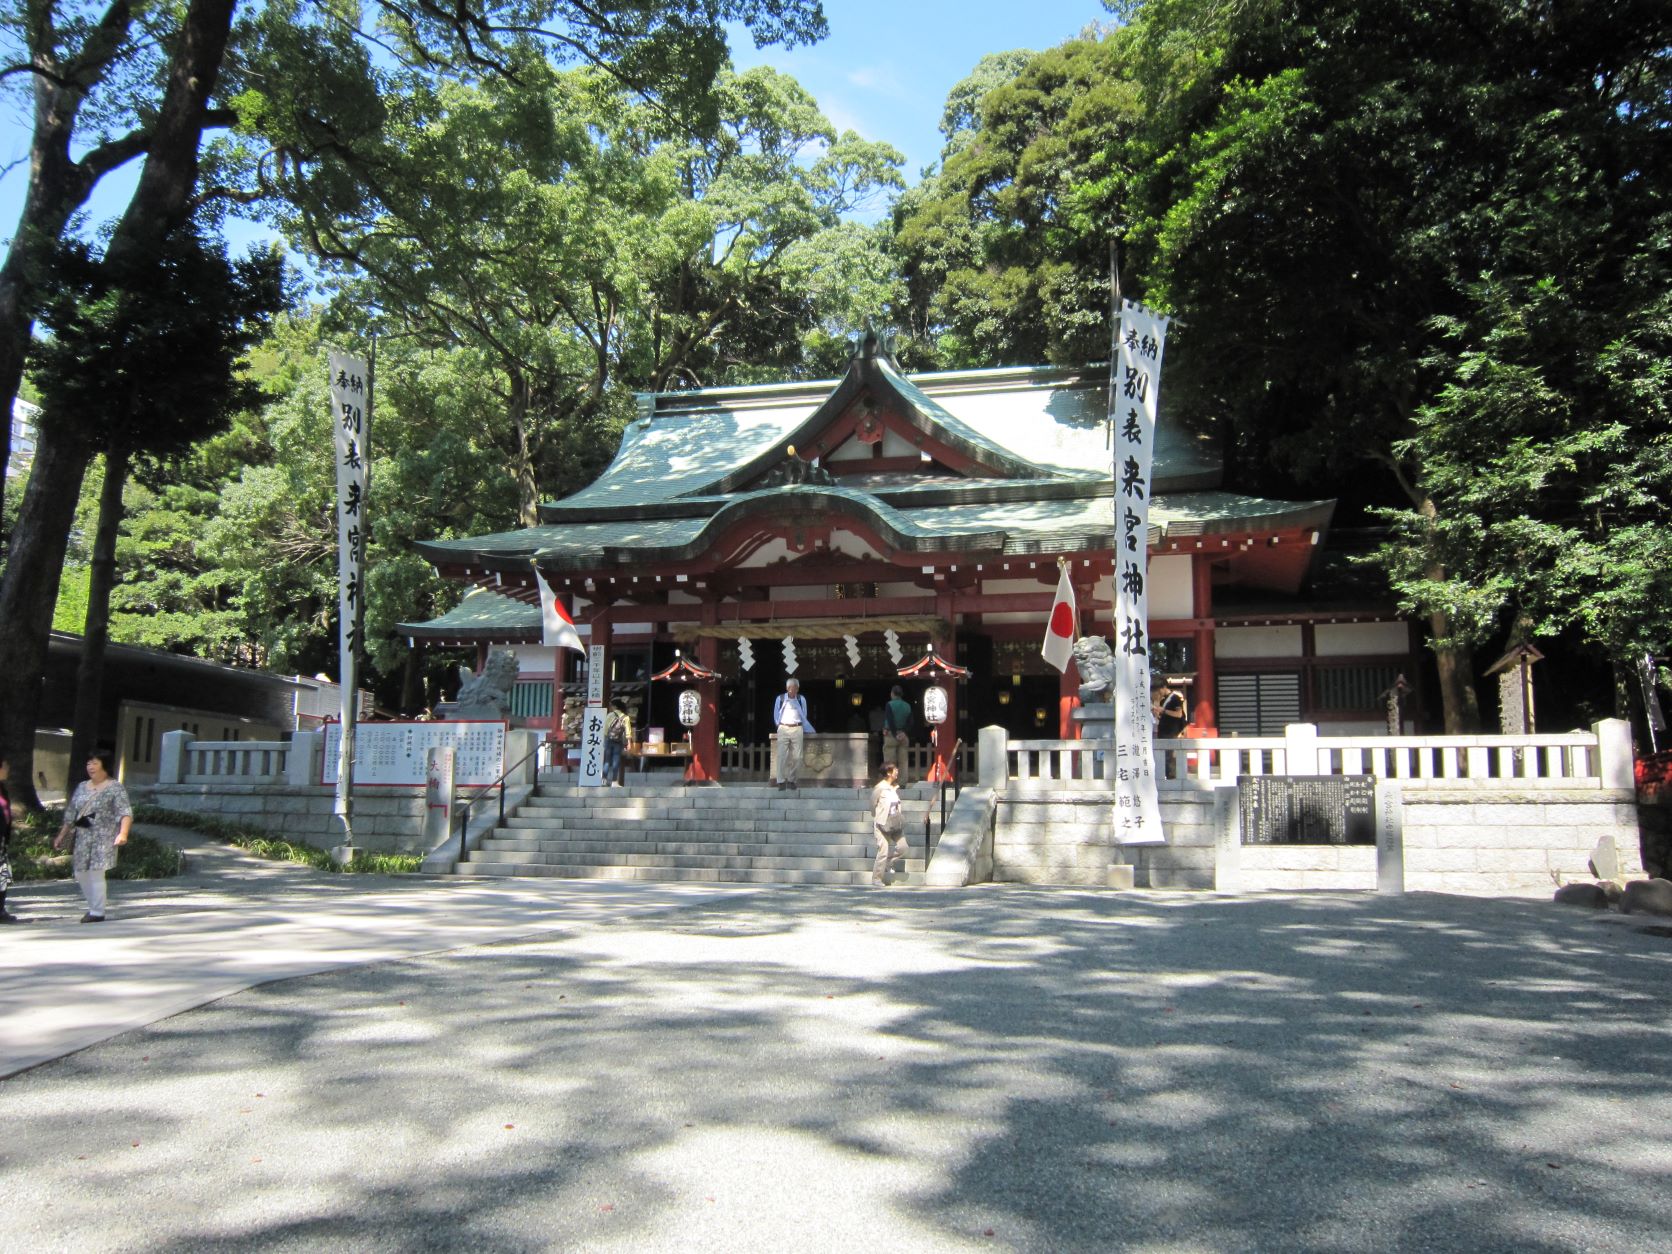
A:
[(487, 695), (1095, 661)]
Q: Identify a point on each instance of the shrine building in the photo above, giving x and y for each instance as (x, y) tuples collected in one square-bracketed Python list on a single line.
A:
[(929, 510)]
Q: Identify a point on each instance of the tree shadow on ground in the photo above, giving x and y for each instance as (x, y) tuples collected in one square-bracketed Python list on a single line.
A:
[(1040, 1069)]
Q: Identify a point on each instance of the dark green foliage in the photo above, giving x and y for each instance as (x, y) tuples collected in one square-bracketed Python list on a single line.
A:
[(33, 858), (143, 349)]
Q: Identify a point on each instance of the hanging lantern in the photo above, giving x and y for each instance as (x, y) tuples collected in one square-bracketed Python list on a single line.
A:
[(690, 707), (934, 705)]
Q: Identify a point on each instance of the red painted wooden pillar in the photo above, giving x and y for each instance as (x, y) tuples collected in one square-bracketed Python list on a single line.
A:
[(704, 766), (1068, 700), (1203, 713), (946, 735)]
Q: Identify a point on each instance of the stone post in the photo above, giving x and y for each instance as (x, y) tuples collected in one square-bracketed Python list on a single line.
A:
[(1227, 841), (302, 762), (1301, 750), (1614, 764), (1390, 837), (991, 756), (171, 767)]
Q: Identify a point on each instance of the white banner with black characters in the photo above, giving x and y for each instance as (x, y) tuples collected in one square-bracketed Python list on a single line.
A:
[(1133, 388), (351, 423)]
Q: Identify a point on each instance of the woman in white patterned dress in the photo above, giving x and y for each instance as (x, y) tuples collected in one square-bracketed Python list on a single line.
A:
[(98, 817)]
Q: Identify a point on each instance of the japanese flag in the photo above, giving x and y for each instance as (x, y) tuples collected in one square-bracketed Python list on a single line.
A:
[(556, 628), (1059, 632)]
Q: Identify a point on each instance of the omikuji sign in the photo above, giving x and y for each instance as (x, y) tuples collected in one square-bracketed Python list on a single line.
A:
[(1133, 389)]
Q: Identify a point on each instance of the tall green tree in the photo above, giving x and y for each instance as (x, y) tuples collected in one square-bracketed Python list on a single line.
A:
[(579, 245), (671, 44), (1005, 249), (1354, 205), (147, 347)]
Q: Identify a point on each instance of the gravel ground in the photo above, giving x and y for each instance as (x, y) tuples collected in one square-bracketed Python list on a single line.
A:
[(841, 1069)]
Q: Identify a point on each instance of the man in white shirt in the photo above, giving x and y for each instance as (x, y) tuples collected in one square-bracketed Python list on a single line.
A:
[(789, 715)]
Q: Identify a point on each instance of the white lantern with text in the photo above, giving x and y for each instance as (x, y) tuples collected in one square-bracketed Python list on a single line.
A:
[(690, 707)]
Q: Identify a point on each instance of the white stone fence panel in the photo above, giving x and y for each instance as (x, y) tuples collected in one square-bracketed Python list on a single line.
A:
[(1600, 758)]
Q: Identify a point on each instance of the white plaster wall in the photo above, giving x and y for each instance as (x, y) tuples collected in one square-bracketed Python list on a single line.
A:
[(1231, 642), (1169, 584), (1360, 639)]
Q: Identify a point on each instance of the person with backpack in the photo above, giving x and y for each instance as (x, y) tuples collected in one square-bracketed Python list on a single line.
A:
[(888, 819), (618, 733), (896, 718)]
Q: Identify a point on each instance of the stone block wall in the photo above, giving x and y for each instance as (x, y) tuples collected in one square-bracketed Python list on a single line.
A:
[(1063, 837), (386, 820), (1464, 840), (1520, 843)]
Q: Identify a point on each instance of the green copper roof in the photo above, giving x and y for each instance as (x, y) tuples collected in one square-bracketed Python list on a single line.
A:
[(1039, 423), (1021, 526), (481, 613)]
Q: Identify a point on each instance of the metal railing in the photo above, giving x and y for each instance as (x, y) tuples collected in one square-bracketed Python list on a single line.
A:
[(543, 746), (928, 815)]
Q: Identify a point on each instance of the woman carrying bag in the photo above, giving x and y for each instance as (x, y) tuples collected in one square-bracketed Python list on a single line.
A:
[(889, 820), (97, 818)]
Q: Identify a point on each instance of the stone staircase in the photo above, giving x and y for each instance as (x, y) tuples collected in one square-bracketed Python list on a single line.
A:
[(739, 833)]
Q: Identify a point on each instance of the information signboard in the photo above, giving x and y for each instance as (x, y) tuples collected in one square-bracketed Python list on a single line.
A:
[(393, 755), (1307, 809), (592, 748)]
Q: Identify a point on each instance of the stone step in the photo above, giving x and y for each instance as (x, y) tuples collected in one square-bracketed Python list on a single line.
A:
[(660, 874), (709, 861), (753, 849), (523, 821)]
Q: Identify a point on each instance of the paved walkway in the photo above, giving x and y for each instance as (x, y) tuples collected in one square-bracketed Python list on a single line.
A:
[(622, 1067)]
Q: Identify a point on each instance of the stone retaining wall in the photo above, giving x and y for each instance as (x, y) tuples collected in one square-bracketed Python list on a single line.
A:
[(1463, 840), (386, 820)]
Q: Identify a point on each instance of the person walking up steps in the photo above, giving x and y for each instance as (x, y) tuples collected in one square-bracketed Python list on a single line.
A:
[(97, 818), (789, 716), (889, 821)]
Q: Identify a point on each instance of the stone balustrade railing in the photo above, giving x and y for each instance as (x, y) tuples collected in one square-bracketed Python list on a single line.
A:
[(1600, 758), (188, 760)]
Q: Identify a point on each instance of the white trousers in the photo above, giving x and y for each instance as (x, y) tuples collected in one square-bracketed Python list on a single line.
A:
[(790, 740), (93, 889)]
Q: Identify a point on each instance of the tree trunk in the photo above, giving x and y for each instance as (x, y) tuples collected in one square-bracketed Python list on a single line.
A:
[(412, 690), (1456, 664), (161, 203), (528, 490), (89, 676), (28, 595), (57, 187)]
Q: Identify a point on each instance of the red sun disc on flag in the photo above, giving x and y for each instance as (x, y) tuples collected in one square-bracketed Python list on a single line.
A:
[(1062, 619)]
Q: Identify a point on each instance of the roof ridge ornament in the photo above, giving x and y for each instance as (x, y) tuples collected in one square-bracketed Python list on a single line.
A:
[(870, 345)]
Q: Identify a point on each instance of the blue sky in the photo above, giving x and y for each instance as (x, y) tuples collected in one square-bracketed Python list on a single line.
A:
[(884, 71), (887, 65)]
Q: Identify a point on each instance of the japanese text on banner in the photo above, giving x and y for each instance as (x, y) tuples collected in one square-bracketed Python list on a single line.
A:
[(1134, 386), (350, 380)]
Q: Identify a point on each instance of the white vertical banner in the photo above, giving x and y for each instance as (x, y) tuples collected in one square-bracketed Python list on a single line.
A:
[(1140, 337), (351, 424)]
